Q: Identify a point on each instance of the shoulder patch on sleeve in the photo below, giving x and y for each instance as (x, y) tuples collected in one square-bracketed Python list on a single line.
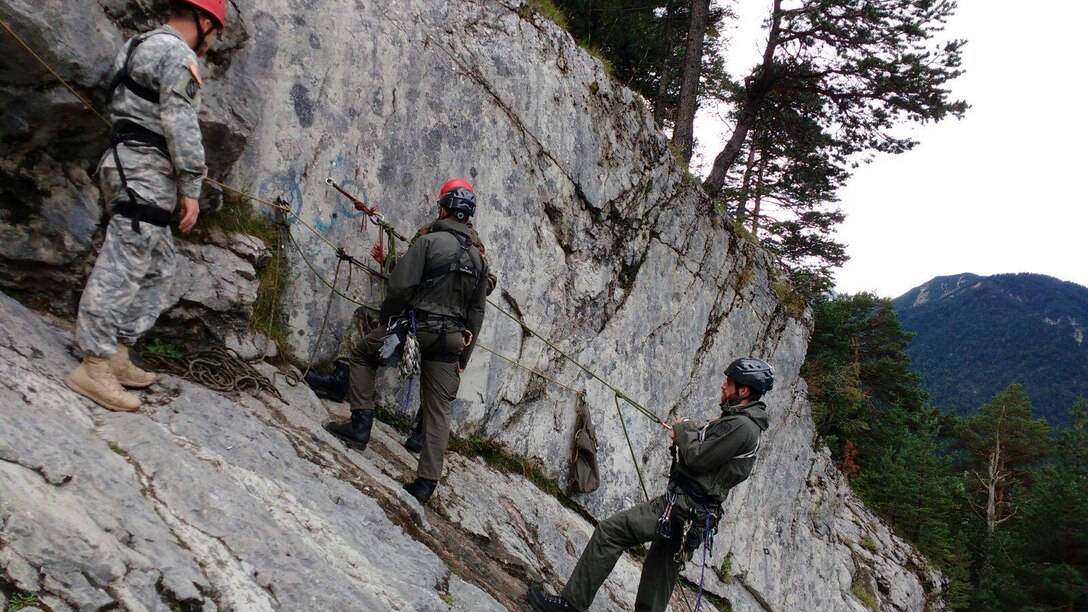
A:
[(195, 71), (188, 84)]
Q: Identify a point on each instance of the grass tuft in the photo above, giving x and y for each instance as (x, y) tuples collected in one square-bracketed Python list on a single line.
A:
[(725, 572), (597, 53), (744, 233), (157, 346), (20, 601), (868, 544), (495, 454), (237, 215), (498, 456), (794, 302), (546, 9), (745, 276), (863, 595)]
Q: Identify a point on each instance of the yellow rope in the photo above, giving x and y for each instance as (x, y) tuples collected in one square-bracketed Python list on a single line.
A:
[(527, 368), (54, 72)]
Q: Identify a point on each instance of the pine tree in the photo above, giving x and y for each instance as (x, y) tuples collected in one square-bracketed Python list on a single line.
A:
[(646, 45), (786, 194), (872, 65), (1002, 442), (1003, 439)]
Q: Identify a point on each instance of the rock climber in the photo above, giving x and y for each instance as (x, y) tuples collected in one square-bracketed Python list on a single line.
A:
[(709, 460), (154, 165), (440, 283)]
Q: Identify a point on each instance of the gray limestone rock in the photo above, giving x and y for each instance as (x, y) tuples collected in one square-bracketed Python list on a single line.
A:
[(601, 243), (199, 493)]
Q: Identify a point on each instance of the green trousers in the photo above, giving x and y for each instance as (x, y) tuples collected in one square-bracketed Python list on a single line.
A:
[(614, 535), (439, 381)]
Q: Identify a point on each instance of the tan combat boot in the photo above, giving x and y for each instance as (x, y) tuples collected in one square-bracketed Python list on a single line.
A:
[(127, 373), (93, 380)]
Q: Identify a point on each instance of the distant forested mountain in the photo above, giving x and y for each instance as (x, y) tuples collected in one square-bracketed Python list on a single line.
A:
[(975, 335)]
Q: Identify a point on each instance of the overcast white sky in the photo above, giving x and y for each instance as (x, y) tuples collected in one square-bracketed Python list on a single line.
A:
[(1000, 190)]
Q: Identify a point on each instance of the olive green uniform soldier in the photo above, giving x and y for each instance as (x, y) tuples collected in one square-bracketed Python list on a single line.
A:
[(709, 461), (335, 384), (155, 162), (441, 284)]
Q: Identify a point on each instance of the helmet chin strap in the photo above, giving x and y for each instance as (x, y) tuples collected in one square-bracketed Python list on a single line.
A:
[(201, 33)]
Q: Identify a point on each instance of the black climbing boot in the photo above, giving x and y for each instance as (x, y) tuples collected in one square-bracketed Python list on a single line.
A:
[(334, 386), (414, 442), (544, 602), (356, 432), (422, 489)]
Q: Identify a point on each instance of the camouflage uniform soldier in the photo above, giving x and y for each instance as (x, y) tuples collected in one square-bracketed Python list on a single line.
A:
[(441, 284), (709, 460), (155, 162)]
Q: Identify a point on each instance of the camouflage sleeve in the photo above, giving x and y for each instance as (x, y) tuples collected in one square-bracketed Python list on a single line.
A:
[(179, 107)]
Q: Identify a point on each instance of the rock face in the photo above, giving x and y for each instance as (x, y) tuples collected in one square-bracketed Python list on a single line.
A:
[(601, 244), (245, 503)]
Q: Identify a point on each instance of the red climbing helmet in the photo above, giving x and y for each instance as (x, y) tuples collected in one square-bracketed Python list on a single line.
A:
[(454, 184), (216, 9), (457, 197)]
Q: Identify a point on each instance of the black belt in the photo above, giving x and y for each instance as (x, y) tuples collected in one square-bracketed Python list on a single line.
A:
[(429, 317), (129, 132), (142, 213)]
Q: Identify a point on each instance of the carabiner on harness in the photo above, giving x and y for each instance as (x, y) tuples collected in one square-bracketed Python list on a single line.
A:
[(663, 530)]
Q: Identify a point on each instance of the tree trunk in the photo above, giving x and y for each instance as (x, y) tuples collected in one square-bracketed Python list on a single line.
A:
[(992, 482), (666, 68), (756, 88), (746, 186), (759, 193), (683, 132)]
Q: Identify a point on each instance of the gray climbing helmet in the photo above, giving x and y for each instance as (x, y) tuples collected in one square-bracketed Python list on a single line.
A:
[(751, 372)]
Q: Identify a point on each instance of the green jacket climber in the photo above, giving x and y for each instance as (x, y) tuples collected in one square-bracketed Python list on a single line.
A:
[(708, 455), (710, 460), (456, 297), (440, 285)]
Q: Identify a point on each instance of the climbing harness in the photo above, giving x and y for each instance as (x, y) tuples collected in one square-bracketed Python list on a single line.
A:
[(124, 75), (127, 132), (431, 275)]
